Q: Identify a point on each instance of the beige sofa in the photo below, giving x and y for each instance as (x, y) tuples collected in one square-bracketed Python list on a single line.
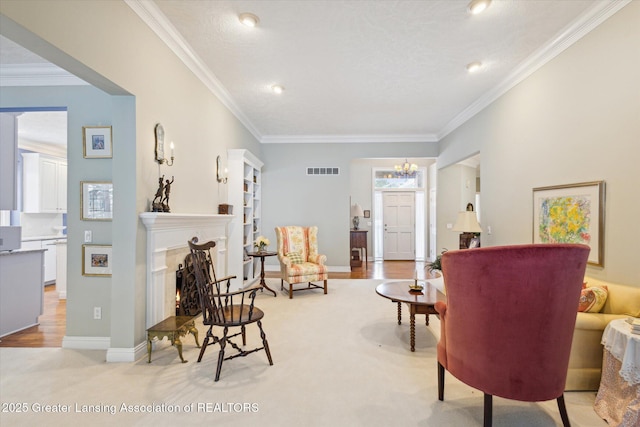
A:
[(585, 362)]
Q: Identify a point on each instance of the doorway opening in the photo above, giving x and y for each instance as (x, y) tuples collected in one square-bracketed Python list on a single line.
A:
[(40, 210), (399, 213)]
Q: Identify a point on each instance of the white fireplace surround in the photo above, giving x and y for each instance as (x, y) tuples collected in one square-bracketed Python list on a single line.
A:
[(169, 231)]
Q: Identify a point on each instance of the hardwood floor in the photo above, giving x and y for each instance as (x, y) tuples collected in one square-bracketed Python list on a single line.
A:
[(51, 330)]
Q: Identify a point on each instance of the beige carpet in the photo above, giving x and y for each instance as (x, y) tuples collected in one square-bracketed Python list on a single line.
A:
[(339, 360)]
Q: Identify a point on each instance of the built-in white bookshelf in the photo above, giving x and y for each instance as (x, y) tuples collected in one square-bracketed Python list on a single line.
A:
[(244, 181)]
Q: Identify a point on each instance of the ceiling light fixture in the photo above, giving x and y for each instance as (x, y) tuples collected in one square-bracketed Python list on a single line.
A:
[(249, 19), (406, 170), (474, 66), (478, 6), (277, 89)]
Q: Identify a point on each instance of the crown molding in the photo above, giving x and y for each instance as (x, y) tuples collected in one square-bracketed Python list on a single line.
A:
[(41, 74), (157, 21), (159, 24), (571, 34), (338, 139)]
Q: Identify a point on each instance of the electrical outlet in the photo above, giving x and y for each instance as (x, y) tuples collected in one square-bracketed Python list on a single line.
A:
[(88, 236), (97, 313)]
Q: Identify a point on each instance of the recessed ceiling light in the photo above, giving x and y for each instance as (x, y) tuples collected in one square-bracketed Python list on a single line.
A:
[(478, 6), (277, 89), (249, 19), (474, 66)]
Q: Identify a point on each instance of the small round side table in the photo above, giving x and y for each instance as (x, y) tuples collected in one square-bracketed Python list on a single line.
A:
[(262, 255)]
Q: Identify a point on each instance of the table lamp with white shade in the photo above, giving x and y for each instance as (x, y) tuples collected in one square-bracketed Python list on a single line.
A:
[(356, 213), (467, 224)]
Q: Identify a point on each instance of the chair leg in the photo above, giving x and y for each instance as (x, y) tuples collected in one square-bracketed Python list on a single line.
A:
[(244, 335), (325, 286), (488, 410), (563, 411), (290, 291), (205, 343), (223, 343), (282, 284), (265, 344), (440, 382)]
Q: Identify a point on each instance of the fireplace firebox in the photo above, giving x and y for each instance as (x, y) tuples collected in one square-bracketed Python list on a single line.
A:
[(187, 299)]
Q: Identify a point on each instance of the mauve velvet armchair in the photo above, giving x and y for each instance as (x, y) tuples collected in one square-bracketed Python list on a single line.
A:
[(507, 325)]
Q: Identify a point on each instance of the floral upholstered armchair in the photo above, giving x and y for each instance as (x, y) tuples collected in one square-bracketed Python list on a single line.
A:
[(299, 258)]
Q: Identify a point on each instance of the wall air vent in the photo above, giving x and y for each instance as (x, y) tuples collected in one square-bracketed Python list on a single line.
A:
[(323, 171)]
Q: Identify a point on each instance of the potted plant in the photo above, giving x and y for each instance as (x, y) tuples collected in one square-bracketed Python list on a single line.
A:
[(437, 263)]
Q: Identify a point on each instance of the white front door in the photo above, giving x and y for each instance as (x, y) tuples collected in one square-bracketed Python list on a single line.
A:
[(399, 225)]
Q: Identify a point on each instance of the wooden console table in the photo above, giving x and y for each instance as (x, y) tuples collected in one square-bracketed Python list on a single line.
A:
[(358, 241)]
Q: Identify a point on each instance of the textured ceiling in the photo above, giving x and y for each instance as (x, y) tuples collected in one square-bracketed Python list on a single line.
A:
[(357, 70), (395, 68)]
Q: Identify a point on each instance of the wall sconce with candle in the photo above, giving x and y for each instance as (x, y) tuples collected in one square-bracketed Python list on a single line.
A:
[(220, 178), (159, 131)]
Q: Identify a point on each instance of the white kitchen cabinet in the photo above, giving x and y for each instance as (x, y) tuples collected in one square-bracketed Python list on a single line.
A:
[(50, 261), (21, 290), (50, 256), (44, 183)]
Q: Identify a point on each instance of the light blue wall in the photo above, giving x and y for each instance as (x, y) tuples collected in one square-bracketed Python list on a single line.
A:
[(88, 106), (290, 197)]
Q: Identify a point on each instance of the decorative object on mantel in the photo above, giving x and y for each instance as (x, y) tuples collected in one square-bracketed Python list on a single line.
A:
[(225, 209), (160, 202), (159, 131), (261, 243), (221, 179)]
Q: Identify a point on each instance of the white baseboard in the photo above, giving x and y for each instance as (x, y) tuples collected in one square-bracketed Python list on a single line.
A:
[(86, 343), (127, 354)]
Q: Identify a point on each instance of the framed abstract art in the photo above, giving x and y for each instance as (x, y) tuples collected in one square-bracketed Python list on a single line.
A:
[(572, 213)]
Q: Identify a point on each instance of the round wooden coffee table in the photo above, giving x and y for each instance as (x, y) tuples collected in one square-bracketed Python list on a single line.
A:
[(421, 302)]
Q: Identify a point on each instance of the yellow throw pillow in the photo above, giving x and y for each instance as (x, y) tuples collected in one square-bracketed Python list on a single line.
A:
[(592, 299)]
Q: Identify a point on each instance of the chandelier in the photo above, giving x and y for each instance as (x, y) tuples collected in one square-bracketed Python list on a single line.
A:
[(406, 169)]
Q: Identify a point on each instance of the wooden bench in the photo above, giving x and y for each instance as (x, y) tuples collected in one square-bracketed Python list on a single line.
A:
[(173, 328)]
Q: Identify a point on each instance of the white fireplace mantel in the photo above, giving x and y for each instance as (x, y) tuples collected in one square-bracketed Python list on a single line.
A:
[(168, 231)]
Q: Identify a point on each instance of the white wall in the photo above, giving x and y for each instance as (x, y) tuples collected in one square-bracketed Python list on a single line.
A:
[(576, 119)]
